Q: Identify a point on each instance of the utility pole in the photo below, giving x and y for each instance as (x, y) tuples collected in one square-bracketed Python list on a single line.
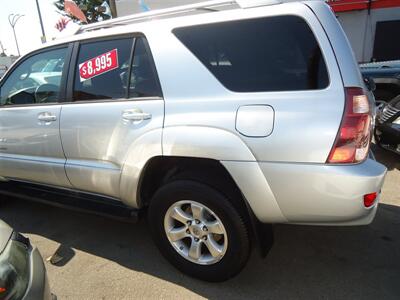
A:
[(13, 19), (113, 8), (3, 53), (43, 38)]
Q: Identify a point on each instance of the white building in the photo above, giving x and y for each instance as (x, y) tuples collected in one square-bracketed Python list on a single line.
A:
[(373, 27)]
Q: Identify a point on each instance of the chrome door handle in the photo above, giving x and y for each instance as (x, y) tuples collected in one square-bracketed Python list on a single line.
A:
[(135, 115), (47, 117)]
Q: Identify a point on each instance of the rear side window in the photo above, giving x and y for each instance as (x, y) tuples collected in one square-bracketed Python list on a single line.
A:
[(102, 70), (259, 55), (106, 68)]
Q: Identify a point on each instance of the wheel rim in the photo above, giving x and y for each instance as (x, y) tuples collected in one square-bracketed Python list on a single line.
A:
[(196, 232)]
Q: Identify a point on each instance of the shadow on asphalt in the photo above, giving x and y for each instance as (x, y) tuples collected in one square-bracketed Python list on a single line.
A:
[(305, 262)]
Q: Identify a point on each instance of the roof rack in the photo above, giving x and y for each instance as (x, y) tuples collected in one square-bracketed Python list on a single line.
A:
[(212, 5)]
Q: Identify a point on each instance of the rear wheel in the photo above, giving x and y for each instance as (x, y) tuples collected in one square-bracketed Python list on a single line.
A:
[(199, 231)]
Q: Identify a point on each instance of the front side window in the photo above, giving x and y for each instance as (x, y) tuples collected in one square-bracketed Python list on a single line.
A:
[(35, 80), (259, 55)]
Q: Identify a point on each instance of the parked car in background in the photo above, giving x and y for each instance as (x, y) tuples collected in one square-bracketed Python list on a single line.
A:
[(22, 272), (385, 79), (387, 125), (386, 76), (3, 70), (218, 119)]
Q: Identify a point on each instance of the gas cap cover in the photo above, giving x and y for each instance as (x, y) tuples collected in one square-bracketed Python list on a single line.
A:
[(255, 120)]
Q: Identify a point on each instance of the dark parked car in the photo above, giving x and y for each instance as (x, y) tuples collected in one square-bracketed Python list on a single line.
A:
[(386, 76), (387, 128), (22, 272), (384, 79)]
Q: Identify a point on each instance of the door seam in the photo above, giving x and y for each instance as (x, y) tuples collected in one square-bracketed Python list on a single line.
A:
[(62, 147)]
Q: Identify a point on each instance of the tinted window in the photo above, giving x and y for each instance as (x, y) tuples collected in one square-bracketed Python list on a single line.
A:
[(102, 70), (35, 80), (143, 82), (268, 54)]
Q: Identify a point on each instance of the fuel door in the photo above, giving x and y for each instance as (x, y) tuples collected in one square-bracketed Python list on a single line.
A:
[(255, 120)]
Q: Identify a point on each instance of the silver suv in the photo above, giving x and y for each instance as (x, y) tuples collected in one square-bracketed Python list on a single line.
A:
[(218, 118)]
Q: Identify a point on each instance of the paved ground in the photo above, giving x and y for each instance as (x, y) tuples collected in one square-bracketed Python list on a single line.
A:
[(105, 259)]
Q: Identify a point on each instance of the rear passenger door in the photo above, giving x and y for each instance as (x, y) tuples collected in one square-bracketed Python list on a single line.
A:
[(114, 98)]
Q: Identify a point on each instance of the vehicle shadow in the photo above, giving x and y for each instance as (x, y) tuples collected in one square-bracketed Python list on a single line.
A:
[(305, 262)]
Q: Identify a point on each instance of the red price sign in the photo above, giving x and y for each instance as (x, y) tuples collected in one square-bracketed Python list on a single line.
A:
[(98, 65)]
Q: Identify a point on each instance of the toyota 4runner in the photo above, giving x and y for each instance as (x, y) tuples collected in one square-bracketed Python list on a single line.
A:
[(218, 119)]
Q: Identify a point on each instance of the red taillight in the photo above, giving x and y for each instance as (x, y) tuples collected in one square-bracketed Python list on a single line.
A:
[(369, 199), (352, 142), (2, 290)]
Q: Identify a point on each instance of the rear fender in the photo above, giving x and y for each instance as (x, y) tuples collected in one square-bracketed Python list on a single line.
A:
[(183, 141), (235, 156), (202, 142)]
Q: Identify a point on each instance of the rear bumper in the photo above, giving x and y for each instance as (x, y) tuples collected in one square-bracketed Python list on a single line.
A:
[(38, 288), (320, 194)]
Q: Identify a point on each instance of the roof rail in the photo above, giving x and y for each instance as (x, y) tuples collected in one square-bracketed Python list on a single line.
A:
[(208, 5), (167, 12)]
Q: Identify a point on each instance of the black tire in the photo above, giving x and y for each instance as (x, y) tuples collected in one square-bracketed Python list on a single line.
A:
[(238, 248)]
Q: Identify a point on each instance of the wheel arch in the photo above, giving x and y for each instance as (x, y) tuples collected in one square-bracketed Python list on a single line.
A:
[(163, 169), (177, 141)]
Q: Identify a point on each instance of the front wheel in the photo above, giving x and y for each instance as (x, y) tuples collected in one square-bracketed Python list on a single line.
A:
[(199, 231)]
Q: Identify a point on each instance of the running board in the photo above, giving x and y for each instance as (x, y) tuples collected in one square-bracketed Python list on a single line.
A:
[(73, 200)]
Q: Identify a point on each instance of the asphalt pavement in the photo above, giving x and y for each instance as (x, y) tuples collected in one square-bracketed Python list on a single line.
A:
[(107, 259)]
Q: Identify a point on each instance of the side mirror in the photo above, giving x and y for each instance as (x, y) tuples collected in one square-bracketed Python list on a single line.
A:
[(370, 83)]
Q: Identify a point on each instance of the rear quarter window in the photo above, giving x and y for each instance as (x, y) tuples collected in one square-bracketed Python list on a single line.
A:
[(259, 55)]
